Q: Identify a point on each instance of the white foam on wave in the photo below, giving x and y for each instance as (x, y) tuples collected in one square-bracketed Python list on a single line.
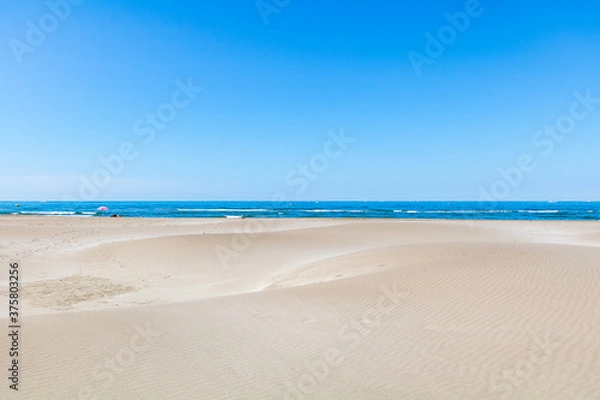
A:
[(48, 212), (220, 209), (539, 211), (334, 211), (452, 212)]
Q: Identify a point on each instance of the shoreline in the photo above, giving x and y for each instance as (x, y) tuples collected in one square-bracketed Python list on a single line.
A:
[(519, 211), (362, 219)]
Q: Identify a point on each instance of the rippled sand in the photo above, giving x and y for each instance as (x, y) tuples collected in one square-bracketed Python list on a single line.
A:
[(302, 309)]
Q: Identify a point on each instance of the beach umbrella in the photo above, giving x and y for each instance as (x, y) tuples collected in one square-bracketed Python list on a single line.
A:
[(103, 209)]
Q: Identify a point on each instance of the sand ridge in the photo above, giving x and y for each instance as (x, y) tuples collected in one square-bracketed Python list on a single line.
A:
[(308, 309)]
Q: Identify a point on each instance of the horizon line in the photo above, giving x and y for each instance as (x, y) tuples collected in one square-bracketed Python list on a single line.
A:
[(300, 201)]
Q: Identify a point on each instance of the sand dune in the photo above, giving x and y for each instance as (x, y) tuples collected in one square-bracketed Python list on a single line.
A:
[(302, 309)]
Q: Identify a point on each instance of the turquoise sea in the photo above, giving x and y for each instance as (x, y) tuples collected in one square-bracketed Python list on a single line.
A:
[(314, 209)]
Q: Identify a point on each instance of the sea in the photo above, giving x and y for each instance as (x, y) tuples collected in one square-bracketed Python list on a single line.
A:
[(521, 210)]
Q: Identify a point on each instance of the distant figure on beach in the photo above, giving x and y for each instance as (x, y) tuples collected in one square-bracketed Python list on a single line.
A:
[(115, 216)]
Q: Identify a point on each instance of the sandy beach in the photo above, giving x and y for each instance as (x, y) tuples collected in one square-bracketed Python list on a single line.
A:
[(303, 308)]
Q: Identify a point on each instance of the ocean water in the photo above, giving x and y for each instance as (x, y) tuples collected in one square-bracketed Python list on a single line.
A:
[(315, 209)]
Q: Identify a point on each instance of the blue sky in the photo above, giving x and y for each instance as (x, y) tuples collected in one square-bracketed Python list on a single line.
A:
[(273, 94)]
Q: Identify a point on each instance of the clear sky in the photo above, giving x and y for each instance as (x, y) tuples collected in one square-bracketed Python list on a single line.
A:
[(414, 118)]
